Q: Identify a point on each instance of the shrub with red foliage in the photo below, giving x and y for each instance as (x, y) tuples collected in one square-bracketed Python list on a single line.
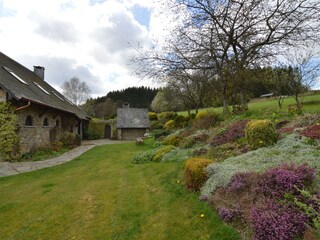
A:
[(233, 132), (271, 220), (312, 131), (285, 179)]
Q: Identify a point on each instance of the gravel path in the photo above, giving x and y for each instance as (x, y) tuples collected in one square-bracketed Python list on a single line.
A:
[(8, 168)]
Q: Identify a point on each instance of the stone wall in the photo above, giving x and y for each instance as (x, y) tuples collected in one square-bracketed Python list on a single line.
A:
[(131, 133), (3, 95), (37, 135)]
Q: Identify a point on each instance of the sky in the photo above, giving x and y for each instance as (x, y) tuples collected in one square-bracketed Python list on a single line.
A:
[(88, 39)]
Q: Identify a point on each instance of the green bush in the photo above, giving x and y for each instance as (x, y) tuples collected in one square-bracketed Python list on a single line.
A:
[(261, 133), (9, 138), (187, 142), (179, 121), (96, 129), (70, 139), (168, 126), (155, 124), (152, 116), (172, 139), (194, 173), (161, 152), (177, 155), (166, 116), (143, 157), (205, 120)]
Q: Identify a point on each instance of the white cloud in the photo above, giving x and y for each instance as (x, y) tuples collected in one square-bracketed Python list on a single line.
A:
[(84, 38)]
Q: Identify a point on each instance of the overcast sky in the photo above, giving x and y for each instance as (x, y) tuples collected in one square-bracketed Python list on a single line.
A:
[(88, 39)]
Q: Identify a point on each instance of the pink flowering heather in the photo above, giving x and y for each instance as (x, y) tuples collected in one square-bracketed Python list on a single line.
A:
[(285, 179), (272, 221), (227, 214)]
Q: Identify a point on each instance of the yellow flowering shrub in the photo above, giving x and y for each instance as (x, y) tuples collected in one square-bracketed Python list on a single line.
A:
[(261, 133), (194, 173)]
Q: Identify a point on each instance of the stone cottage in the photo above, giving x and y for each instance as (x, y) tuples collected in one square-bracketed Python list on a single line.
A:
[(43, 113), (132, 123)]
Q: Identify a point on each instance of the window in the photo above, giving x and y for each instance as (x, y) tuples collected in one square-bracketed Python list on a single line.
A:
[(38, 85), (57, 123), (15, 75), (45, 122), (29, 121)]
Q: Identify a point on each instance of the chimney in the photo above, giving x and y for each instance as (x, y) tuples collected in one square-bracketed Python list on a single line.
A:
[(126, 105), (39, 71)]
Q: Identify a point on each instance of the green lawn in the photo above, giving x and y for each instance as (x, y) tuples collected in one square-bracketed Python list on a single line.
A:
[(102, 195), (311, 104)]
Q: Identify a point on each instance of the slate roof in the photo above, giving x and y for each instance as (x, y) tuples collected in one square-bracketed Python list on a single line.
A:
[(132, 118), (32, 87)]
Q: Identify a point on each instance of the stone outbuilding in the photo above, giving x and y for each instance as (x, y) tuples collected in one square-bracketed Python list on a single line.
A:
[(43, 113), (132, 123)]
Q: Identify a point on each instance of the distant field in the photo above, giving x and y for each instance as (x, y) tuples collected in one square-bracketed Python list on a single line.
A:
[(311, 104)]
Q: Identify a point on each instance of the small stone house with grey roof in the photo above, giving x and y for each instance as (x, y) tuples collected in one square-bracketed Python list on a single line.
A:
[(43, 113), (132, 123)]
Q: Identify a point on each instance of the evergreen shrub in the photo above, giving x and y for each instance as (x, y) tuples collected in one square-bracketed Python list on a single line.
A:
[(143, 157), (166, 116), (161, 152), (179, 121), (168, 126), (261, 133), (172, 139), (194, 173), (70, 139), (96, 129), (9, 138), (152, 116), (205, 120)]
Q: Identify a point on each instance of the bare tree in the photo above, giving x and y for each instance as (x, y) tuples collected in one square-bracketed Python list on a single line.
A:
[(225, 38), (76, 91), (305, 67)]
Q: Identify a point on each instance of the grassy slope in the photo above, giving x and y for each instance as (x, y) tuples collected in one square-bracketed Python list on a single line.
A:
[(311, 104), (101, 195)]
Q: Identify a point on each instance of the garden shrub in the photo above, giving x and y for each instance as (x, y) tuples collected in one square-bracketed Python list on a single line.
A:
[(168, 126), (144, 157), (289, 149), (286, 178), (271, 220), (173, 139), (261, 133), (152, 116), (233, 132), (70, 139), (228, 214), (156, 125), (177, 155), (295, 109), (161, 152), (166, 116), (312, 132), (261, 198), (306, 120), (179, 121), (9, 138), (187, 142), (194, 173), (205, 120), (96, 129), (201, 151)]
